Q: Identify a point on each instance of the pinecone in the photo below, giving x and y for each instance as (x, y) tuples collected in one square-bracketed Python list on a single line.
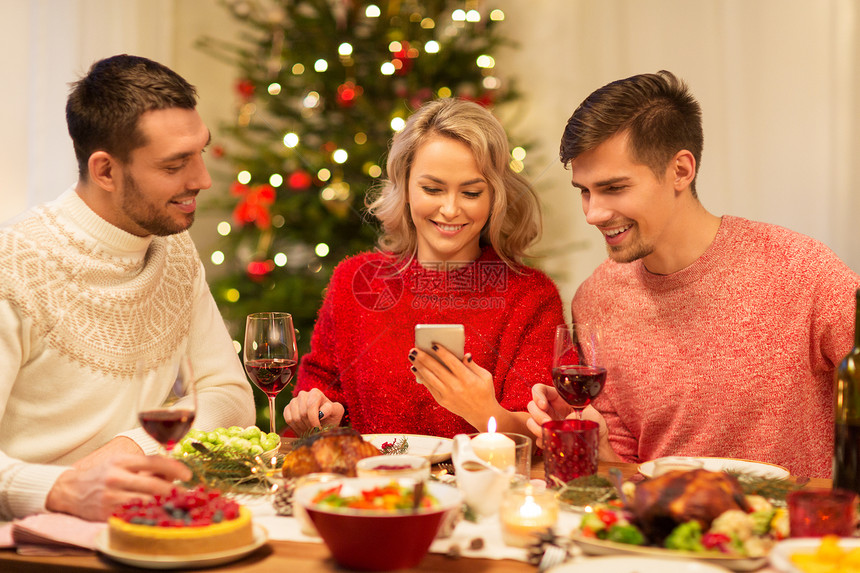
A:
[(283, 501), (544, 540)]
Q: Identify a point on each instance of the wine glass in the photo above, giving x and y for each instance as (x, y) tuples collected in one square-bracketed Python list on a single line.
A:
[(270, 353), (168, 420), (577, 367)]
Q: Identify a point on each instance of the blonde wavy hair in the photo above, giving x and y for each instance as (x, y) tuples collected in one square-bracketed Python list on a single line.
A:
[(515, 218)]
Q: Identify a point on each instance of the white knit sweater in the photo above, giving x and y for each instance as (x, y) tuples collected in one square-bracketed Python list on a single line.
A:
[(82, 305)]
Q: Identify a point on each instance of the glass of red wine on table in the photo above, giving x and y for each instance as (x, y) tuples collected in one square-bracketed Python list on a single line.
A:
[(270, 353), (578, 373), (168, 419)]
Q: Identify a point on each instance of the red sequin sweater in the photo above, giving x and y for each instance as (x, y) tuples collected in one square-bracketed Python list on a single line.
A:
[(732, 356), (366, 327)]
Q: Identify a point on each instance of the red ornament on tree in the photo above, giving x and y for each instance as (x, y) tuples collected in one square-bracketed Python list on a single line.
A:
[(246, 89), (257, 270), (485, 99), (299, 180), (347, 94), (419, 97), (254, 205), (403, 59)]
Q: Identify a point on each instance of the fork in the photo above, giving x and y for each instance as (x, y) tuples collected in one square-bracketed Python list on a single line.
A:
[(447, 466)]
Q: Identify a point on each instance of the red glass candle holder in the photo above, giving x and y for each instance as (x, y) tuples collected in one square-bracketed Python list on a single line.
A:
[(570, 450), (815, 513)]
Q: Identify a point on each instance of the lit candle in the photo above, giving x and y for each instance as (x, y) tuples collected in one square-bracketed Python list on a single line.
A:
[(496, 449), (527, 512)]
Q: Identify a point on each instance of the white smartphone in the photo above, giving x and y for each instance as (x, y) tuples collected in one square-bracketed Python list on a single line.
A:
[(451, 336)]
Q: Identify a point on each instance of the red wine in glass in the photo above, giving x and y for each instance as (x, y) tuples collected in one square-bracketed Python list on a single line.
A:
[(166, 426), (577, 366), (578, 384), (270, 354), (271, 375)]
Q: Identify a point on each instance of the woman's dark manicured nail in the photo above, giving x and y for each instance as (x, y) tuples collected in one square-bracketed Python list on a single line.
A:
[(435, 348), (413, 369)]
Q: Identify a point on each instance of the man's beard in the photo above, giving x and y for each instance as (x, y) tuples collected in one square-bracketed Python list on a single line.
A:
[(146, 215), (629, 253)]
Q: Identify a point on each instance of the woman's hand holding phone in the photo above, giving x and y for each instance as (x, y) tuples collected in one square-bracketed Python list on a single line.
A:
[(460, 386)]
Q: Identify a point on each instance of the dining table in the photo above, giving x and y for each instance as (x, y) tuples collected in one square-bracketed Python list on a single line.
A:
[(297, 557)]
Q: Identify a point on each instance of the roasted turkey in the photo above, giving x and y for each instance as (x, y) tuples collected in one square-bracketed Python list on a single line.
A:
[(661, 503), (333, 451)]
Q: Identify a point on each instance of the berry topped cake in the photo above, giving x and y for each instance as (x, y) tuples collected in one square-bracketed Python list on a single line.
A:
[(192, 522)]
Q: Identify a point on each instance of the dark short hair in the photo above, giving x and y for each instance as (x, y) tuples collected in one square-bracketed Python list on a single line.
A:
[(104, 106), (658, 111)]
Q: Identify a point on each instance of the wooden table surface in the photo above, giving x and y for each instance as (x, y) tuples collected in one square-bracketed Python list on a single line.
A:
[(294, 557)]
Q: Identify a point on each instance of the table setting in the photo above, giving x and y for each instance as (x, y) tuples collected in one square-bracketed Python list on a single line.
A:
[(337, 499), (470, 539)]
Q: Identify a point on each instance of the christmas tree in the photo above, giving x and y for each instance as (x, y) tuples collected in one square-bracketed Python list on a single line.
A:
[(324, 84)]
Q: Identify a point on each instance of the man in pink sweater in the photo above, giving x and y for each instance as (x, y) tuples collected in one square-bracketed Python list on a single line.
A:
[(721, 334)]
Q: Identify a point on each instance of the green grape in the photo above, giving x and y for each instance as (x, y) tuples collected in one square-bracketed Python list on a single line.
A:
[(250, 433)]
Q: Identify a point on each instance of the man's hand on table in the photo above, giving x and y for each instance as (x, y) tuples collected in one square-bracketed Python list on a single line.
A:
[(115, 473), (303, 411), (547, 404), (118, 446)]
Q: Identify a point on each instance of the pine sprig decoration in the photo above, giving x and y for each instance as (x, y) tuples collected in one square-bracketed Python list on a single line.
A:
[(398, 446), (775, 490)]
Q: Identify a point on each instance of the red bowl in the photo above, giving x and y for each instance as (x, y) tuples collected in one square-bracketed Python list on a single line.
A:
[(378, 541)]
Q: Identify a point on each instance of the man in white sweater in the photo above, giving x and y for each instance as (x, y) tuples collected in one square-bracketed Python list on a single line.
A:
[(101, 291)]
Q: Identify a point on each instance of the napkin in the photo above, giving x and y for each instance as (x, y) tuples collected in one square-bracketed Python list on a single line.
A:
[(51, 534)]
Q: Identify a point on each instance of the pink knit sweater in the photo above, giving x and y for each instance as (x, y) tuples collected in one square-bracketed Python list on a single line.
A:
[(366, 328), (733, 356)]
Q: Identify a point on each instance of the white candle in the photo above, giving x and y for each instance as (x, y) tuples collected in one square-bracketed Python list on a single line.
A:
[(494, 448)]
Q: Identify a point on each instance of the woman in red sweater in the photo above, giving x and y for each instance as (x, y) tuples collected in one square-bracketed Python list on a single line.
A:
[(456, 223)]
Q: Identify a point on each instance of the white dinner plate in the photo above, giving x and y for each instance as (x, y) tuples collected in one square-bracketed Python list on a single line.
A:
[(780, 555), (729, 465), (183, 561), (622, 564), (434, 448), (591, 546)]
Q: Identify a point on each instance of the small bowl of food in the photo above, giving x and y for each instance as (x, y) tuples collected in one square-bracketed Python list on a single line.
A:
[(394, 467), (352, 515)]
